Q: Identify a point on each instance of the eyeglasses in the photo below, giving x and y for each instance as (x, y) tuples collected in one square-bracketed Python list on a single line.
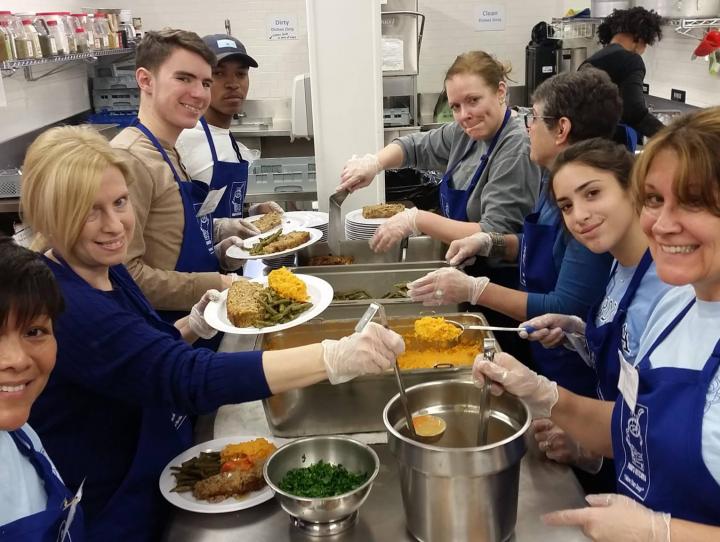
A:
[(529, 117)]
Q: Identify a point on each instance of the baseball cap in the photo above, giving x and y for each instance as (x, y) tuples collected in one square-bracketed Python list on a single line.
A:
[(225, 46)]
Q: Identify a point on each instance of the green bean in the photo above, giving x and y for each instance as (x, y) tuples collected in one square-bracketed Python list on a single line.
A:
[(197, 468), (258, 248)]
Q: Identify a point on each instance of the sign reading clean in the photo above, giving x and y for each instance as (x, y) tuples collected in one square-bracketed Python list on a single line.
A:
[(282, 27), (489, 17)]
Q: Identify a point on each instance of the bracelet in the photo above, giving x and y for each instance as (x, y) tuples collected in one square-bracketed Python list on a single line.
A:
[(497, 250)]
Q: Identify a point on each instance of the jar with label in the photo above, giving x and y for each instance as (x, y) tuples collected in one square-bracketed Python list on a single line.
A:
[(58, 32), (7, 42), (81, 40), (102, 30), (47, 38), (33, 38), (80, 20), (23, 44), (66, 27)]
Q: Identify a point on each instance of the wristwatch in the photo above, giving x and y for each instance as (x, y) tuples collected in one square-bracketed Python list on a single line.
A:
[(497, 250)]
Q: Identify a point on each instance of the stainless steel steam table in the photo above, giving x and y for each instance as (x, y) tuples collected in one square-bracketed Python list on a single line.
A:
[(544, 487)]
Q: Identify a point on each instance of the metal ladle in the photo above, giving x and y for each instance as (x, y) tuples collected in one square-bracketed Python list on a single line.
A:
[(439, 424)]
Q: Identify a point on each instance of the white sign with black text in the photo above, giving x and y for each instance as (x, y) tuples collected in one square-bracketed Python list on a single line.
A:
[(489, 17), (282, 27)]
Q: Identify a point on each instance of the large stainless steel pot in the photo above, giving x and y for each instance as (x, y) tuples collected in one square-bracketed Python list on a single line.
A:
[(453, 489), (603, 8), (682, 9)]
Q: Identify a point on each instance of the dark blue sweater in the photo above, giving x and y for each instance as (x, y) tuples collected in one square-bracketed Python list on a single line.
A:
[(117, 365)]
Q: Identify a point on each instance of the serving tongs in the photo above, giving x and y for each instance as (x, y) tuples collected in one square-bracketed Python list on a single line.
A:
[(370, 313), (336, 229)]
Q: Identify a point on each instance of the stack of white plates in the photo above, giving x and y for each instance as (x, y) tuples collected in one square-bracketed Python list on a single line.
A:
[(357, 227), (311, 219), (288, 260)]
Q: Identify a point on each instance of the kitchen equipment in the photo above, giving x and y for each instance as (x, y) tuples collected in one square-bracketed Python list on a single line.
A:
[(330, 515), (455, 490), (301, 123), (489, 354), (355, 406), (485, 328), (402, 30), (603, 8), (335, 220), (570, 58), (682, 9), (432, 427)]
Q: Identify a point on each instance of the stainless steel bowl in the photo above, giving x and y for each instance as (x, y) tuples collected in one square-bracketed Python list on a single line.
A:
[(327, 515)]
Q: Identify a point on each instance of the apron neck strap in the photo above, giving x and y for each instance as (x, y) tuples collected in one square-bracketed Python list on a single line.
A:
[(154, 140)]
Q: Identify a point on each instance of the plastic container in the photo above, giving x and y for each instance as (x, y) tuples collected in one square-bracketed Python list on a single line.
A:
[(65, 24), (81, 20), (102, 29), (59, 32), (33, 37), (6, 42), (50, 39), (81, 40)]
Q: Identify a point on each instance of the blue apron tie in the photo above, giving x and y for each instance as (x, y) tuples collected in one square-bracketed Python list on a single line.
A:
[(233, 175), (658, 448), (48, 525), (453, 203), (605, 341)]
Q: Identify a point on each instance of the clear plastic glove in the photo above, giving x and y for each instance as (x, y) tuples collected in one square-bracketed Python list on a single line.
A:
[(464, 250), (228, 263), (613, 518), (233, 227), (560, 447), (371, 351), (507, 373), (196, 320), (359, 172), (447, 285), (394, 230), (264, 208), (550, 328)]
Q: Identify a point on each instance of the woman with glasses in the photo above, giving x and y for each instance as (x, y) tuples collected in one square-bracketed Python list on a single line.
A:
[(626, 34), (557, 273), (490, 182), (663, 430)]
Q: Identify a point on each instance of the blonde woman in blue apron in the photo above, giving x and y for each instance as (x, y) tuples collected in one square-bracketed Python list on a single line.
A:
[(209, 151), (662, 430), (35, 505), (489, 182)]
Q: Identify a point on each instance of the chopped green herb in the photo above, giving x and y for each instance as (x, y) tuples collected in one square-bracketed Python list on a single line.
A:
[(321, 480)]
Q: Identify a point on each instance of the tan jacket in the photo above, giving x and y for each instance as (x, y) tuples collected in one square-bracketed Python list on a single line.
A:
[(155, 247)]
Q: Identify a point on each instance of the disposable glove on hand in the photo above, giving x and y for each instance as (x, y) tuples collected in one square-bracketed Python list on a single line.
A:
[(447, 285), (228, 279), (394, 230), (227, 263), (613, 517), (196, 321), (371, 351), (464, 250), (233, 227), (264, 208), (550, 328), (507, 373), (560, 447), (359, 172)]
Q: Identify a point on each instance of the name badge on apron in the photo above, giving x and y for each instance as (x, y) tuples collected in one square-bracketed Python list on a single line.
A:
[(628, 382), (211, 202)]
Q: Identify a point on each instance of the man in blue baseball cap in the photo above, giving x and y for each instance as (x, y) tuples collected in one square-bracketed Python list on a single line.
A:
[(210, 152)]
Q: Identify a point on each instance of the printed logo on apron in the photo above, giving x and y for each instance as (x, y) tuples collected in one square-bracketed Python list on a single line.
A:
[(205, 225), (523, 265), (177, 420), (237, 197), (635, 472)]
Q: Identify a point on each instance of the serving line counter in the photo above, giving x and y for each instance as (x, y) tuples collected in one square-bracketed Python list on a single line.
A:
[(544, 487)]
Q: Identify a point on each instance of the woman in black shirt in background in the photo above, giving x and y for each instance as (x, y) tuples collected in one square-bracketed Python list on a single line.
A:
[(626, 34)]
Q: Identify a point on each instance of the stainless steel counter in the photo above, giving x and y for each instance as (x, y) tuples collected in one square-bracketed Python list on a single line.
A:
[(544, 487)]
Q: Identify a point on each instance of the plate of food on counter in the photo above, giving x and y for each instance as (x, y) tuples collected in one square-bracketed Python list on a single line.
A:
[(269, 222), (286, 240), (280, 300), (221, 475)]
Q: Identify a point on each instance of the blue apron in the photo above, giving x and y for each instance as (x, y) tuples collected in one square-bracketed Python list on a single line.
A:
[(233, 175), (605, 341), (631, 136), (62, 519), (538, 275), (453, 203), (658, 449), (197, 252)]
